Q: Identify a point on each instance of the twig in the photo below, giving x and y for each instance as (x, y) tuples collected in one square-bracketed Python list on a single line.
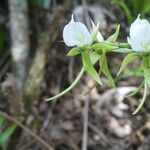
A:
[(19, 31), (85, 124), (20, 45), (27, 130)]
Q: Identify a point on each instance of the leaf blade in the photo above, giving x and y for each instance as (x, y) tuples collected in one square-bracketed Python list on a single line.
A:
[(7, 133)]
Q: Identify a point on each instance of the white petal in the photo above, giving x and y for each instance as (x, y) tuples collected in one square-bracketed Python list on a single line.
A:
[(140, 34), (76, 33)]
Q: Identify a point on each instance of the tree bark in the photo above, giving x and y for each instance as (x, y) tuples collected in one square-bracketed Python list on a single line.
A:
[(19, 32)]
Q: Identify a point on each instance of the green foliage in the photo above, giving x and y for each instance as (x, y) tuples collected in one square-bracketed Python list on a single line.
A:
[(132, 8), (5, 133)]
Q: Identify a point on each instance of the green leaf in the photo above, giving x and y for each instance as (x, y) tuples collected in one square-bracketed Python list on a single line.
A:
[(99, 47), (145, 66), (74, 51), (129, 58), (4, 136), (113, 38), (1, 120), (87, 64), (105, 70)]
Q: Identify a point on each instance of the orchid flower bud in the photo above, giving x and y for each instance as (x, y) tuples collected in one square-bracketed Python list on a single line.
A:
[(76, 34), (139, 35), (96, 35)]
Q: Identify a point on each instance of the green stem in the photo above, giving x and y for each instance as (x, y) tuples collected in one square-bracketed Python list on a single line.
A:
[(124, 45), (69, 88), (136, 91), (142, 100)]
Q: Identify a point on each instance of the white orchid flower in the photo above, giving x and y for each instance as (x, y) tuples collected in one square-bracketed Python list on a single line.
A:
[(76, 34), (139, 35), (96, 35)]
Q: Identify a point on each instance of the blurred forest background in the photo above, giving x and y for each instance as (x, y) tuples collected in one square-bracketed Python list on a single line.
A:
[(34, 66)]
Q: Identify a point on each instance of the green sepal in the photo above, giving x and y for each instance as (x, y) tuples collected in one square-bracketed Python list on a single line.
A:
[(74, 51), (87, 64), (105, 70), (129, 58), (113, 38)]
